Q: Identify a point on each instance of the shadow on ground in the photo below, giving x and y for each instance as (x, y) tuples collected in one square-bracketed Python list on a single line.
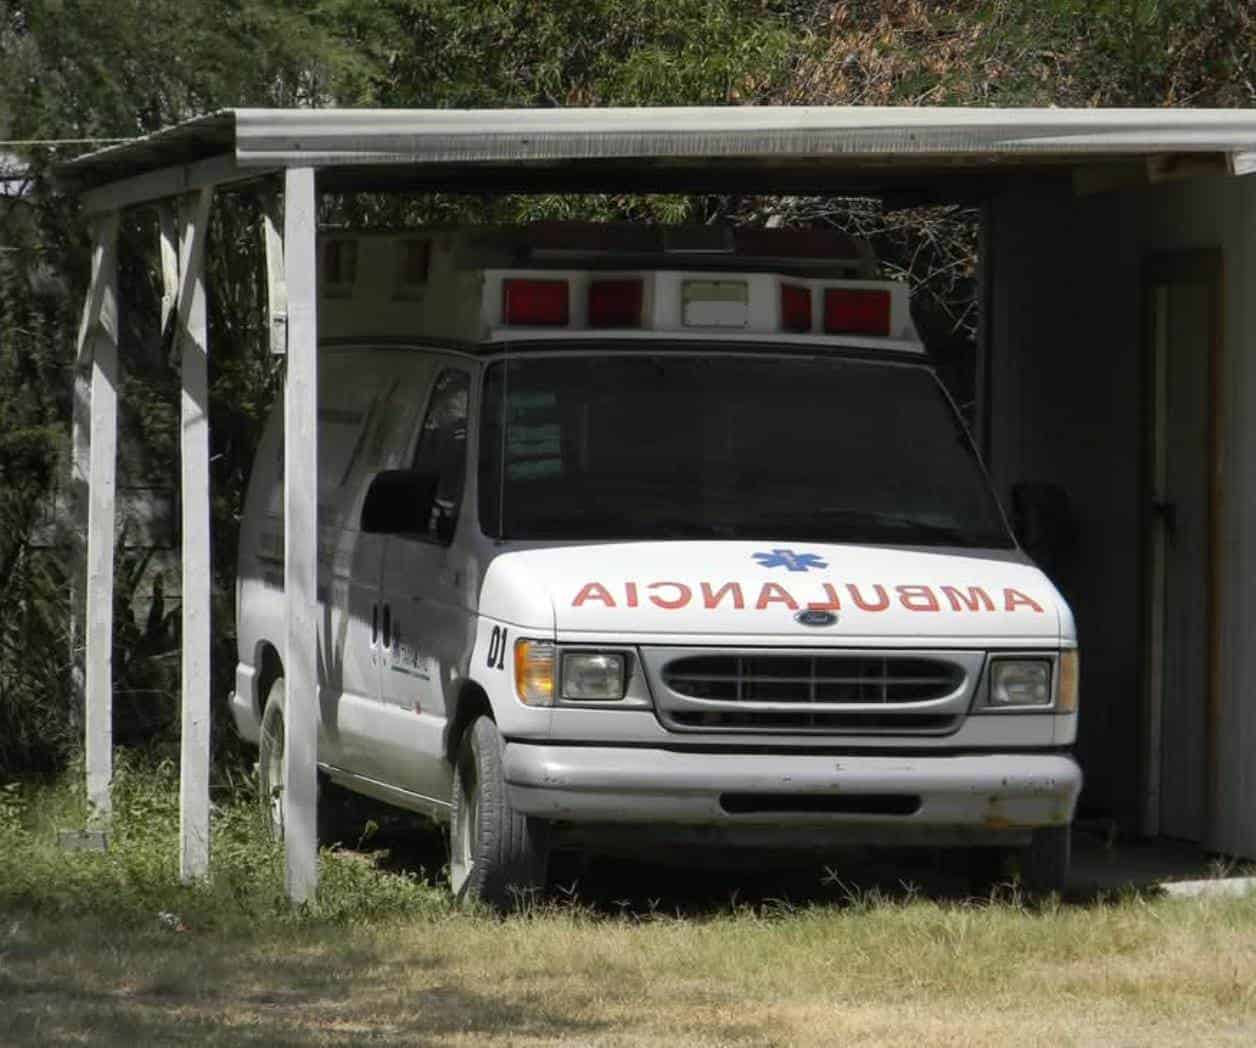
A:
[(699, 884)]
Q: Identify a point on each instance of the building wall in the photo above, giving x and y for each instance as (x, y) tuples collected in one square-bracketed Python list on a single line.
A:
[(1066, 403)]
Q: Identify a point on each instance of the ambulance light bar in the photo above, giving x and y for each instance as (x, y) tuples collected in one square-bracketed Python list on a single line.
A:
[(851, 311), (535, 303), (615, 303), (659, 301), (795, 308)]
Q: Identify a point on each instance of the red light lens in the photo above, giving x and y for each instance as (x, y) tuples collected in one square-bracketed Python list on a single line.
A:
[(848, 311), (535, 302), (795, 308), (615, 304)]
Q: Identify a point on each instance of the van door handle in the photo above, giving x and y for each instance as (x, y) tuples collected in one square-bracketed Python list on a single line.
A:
[(1166, 510), (374, 624), (387, 627)]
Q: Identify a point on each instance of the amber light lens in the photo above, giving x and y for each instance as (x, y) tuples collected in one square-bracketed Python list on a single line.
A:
[(534, 672), (1070, 670)]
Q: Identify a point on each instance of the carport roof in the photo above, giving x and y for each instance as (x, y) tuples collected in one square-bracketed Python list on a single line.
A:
[(931, 152)]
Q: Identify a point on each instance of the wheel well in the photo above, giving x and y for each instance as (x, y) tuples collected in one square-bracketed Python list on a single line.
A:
[(472, 703), (270, 669)]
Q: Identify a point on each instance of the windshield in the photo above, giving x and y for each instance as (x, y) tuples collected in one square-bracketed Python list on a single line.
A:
[(681, 445)]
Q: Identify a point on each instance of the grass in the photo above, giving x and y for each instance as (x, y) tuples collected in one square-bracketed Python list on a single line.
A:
[(110, 949)]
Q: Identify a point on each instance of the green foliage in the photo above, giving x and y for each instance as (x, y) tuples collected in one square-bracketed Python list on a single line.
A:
[(79, 69), (474, 53), (1034, 52), (138, 875)]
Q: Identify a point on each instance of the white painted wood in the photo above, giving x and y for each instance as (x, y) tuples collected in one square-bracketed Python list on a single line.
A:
[(300, 793), (168, 235), (1243, 163), (193, 338), (276, 285), (80, 469), (101, 335), (166, 183)]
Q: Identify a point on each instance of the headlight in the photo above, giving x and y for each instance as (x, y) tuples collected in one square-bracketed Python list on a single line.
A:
[(534, 672), (593, 676), (1020, 682)]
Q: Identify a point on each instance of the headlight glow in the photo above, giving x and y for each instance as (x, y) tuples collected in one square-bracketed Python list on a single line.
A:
[(593, 676), (1020, 682)]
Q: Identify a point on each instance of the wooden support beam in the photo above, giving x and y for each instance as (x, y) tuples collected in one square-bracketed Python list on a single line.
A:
[(168, 183), (98, 342), (1242, 163), (300, 510), (193, 336), (276, 286), (168, 237)]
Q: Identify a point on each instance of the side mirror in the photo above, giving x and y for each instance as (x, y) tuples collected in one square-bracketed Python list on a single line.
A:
[(1044, 522), (399, 502)]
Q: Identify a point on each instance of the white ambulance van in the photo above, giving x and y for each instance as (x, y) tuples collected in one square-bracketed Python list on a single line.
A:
[(639, 538)]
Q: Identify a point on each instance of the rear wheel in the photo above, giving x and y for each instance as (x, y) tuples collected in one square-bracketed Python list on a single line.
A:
[(496, 854)]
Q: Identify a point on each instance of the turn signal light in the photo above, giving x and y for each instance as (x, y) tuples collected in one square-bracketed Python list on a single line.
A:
[(848, 311), (534, 672), (615, 304), (540, 303), (1070, 672)]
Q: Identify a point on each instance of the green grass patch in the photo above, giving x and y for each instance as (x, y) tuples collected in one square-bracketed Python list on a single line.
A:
[(109, 948), (137, 878)]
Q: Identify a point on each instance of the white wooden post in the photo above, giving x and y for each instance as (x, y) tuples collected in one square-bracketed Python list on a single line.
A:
[(300, 510), (80, 471), (99, 339), (192, 333)]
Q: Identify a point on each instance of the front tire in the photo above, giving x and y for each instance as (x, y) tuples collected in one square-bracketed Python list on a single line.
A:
[(496, 854), (270, 771), (1044, 864)]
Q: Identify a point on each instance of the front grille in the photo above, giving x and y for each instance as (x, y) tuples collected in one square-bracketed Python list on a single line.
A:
[(828, 678), (805, 720), (813, 691)]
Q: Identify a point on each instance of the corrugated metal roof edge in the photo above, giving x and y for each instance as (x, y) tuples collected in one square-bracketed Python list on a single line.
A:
[(333, 137)]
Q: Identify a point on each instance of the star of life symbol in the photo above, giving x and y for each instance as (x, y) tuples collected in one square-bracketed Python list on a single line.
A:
[(790, 561)]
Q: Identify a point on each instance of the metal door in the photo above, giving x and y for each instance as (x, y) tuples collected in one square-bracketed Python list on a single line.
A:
[(1184, 329), (425, 606)]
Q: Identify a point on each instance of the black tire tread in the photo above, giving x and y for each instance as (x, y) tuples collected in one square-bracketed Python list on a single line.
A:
[(1044, 863), (513, 848)]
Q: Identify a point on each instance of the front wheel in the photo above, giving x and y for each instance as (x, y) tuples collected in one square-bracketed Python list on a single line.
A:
[(496, 854), (270, 758), (1045, 862)]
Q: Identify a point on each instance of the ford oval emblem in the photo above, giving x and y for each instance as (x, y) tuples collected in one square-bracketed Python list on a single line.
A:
[(815, 617)]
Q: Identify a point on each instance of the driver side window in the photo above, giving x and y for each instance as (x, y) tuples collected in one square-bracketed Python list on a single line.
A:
[(442, 450)]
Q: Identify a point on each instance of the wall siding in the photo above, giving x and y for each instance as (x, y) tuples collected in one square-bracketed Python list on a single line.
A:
[(1066, 406)]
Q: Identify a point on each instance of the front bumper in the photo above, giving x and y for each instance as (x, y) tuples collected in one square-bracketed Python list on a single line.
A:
[(788, 798)]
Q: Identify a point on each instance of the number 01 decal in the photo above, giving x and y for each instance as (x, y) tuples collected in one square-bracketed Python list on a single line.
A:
[(497, 649)]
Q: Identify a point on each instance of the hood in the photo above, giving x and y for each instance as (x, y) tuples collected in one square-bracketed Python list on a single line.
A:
[(811, 592)]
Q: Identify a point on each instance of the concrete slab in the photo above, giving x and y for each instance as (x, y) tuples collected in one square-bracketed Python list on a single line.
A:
[(1101, 865)]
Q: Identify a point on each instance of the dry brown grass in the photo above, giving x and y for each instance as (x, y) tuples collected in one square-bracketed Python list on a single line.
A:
[(87, 957), (912, 973)]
